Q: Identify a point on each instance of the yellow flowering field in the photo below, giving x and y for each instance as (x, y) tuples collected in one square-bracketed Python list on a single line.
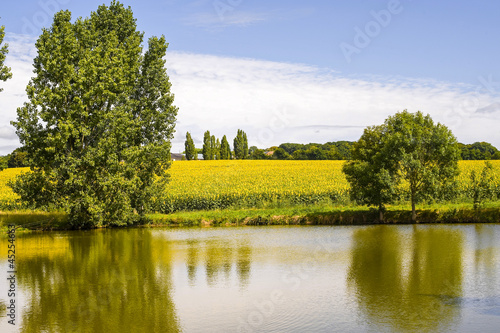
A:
[(7, 196), (218, 184)]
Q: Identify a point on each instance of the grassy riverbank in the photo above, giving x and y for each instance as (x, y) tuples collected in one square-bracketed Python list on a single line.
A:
[(299, 215), (323, 215)]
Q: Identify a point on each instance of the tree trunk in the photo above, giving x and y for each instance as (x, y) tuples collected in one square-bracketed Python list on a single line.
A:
[(413, 212), (381, 213)]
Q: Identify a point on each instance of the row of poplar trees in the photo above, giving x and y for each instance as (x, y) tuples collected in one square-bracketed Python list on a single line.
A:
[(215, 149)]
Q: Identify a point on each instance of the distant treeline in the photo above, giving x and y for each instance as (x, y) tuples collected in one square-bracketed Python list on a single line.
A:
[(215, 149), (479, 151), (339, 150), (16, 159)]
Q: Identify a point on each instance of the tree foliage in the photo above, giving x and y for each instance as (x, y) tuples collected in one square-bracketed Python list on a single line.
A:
[(18, 158), (4, 162), (371, 174), (217, 149), (482, 185), (225, 149), (340, 150), (427, 153), (479, 151), (99, 120), (207, 146), (408, 147), (213, 147), (190, 150), (241, 145), (5, 72), (280, 154)]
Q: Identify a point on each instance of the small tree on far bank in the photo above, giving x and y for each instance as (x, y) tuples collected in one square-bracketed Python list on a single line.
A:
[(190, 149), (241, 145), (427, 154), (371, 175), (482, 185), (408, 147)]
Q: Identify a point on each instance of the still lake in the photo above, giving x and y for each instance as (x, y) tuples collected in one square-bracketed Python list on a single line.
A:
[(411, 278)]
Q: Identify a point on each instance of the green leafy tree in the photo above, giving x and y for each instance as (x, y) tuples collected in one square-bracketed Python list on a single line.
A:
[(207, 146), (258, 154), (18, 158), (427, 154), (408, 147), (479, 151), (333, 154), (213, 148), (4, 162), (241, 145), (315, 153), (99, 120), (190, 149), (299, 154), (217, 149), (5, 72), (225, 149), (482, 186), (371, 174), (281, 154), (252, 149)]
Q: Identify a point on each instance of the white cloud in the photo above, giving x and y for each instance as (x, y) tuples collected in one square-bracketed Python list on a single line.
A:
[(217, 21), (282, 102), (223, 15)]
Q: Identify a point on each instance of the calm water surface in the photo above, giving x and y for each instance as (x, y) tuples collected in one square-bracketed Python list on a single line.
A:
[(269, 279)]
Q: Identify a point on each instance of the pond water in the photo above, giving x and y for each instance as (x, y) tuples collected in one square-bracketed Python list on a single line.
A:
[(422, 278)]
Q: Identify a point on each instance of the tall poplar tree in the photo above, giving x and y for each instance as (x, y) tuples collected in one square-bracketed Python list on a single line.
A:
[(207, 146), (213, 148), (217, 149), (99, 119), (225, 149), (5, 72), (241, 145), (191, 153)]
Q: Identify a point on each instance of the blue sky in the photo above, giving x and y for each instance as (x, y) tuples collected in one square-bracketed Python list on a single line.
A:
[(301, 70)]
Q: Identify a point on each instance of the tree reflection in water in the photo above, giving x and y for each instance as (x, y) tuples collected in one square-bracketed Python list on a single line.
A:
[(220, 259), (103, 281), (402, 279)]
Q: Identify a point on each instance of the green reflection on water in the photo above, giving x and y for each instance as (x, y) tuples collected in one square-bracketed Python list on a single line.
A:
[(407, 279), (399, 278), (105, 281)]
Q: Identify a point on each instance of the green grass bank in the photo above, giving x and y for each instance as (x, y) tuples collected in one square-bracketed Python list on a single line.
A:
[(298, 215)]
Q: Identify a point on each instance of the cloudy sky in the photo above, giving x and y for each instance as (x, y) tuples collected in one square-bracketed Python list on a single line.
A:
[(296, 70)]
